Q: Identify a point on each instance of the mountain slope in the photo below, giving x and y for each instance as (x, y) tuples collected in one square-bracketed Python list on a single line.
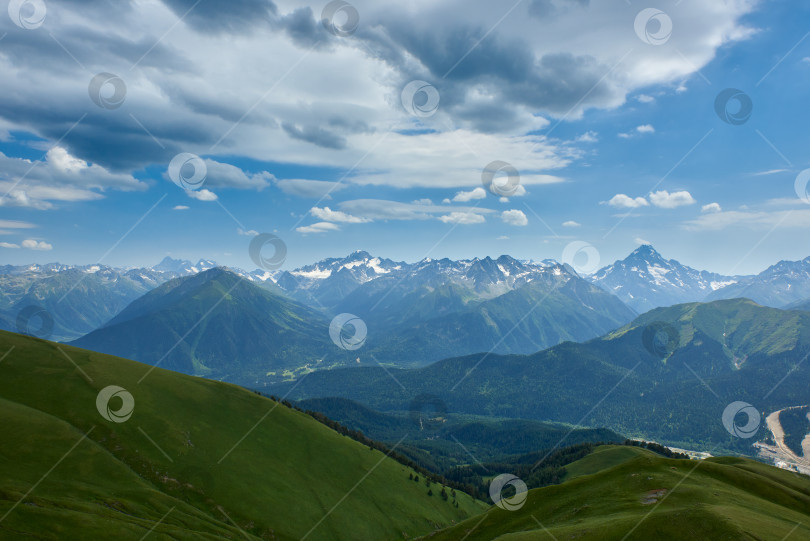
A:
[(779, 285), (645, 280), (218, 325), (649, 497), (738, 349), (197, 460)]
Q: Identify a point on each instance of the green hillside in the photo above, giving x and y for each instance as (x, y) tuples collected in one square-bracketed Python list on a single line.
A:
[(721, 352), (198, 459), (634, 494), (218, 325)]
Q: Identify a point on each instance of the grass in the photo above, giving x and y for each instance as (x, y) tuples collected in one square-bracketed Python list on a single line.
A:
[(718, 499), (180, 465)]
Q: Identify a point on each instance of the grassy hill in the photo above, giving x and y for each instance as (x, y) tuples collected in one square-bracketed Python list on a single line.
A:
[(634, 494), (198, 459)]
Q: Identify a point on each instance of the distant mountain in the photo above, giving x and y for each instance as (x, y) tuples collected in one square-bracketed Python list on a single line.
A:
[(645, 379), (500, 306), (76, 299), (218, 325), (645, 280), (779, 285), (325, 283), (183, 267)]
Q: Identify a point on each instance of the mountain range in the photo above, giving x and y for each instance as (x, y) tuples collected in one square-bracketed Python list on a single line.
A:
[(667, 375)]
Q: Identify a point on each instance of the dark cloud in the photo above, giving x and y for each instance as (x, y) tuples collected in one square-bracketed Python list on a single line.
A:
[(314, 134), (218, 16)]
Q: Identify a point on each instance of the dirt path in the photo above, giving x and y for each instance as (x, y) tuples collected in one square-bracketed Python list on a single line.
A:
[(783, 451)]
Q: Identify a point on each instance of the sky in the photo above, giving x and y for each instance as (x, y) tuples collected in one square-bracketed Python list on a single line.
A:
[(133, 130)]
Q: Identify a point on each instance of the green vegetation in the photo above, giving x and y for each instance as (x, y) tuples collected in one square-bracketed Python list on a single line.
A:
[(796, 426), (740, 350), (198, 459), (631, 493)]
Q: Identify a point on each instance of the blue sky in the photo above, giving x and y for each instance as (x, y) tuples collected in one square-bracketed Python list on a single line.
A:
[(305, 132)]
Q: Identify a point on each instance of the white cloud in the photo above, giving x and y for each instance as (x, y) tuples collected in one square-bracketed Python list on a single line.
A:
[(202, 195), (621, 200), (769, 172), (248, 233), (502, 237), (15, 224), (423, 201), (666, 200), (8, 245), (795, 218), (711, 207), (319, 227), (313, 189), (571, 223), (588, 137), (463, 197), (224, 175), (59, 177), (462, 218), (645, 128), (328, 215), (639, 240), (180, 207), (514, 217), (32, 244), (644, 98), (381, 209)]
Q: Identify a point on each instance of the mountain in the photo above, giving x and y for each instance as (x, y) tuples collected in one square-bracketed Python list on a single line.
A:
[(645, 280), (640, 495), (431, 323), (183, 267), (779, 285), (218, 325), (75, 300), (195, 459), (667, 375)]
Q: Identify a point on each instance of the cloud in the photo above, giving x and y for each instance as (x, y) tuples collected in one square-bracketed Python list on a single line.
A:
[(588, 137), (314, 189), (15, 224), (224, 175), (463, 197), (319, 227), (639, 240), (8, 245), (711, 207), (643, 129), (380, 209), (423, 201), (752, 220), (328, 215), (514, 217), (58, 177), (202, 195), (197, 88), (644, 98), (248, 233), (769, 172), (571, 223), (666, 200), (621, 200), (32, 244), (463, 218), (180, 207), (502, 237)]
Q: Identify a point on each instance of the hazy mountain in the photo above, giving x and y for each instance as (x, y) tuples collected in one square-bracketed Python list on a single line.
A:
[(645, 280), (779, 285)]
